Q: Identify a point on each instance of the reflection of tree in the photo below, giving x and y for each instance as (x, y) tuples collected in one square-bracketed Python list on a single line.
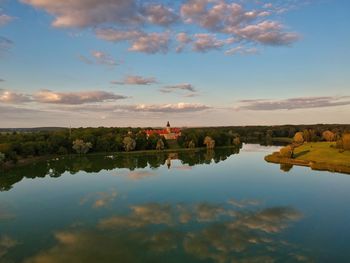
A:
[(209, 155), (6, 244), (190, 233), (96, 163), (156, 160), (286, 167), (4, 213)]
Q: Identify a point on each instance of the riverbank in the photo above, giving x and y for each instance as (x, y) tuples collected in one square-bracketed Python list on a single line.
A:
[(32, 160), (321, 156)]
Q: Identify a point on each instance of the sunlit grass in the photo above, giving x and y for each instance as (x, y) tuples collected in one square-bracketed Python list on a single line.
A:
[(322, 152)]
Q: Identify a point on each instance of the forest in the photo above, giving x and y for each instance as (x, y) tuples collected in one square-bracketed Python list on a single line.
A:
[(27, 143)]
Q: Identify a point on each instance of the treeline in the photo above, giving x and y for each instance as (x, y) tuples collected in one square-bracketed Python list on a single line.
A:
[(260, 134), (95, 163), (16, 145)]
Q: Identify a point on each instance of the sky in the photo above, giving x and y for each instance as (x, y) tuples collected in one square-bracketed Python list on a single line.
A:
[(124, 63)]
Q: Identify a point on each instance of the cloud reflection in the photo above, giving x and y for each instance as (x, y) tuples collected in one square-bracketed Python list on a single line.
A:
[(6, 243), (100, 199), (191, 232)]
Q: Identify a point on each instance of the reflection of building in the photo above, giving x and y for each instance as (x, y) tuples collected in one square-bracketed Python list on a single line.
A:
[(168, 163), (171, 156), (168, 133)]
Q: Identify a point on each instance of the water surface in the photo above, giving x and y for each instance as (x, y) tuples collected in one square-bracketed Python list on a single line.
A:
[(219, 206)]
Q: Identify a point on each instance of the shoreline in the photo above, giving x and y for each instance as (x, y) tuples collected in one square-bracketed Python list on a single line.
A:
[(302, 158), (33, 160)]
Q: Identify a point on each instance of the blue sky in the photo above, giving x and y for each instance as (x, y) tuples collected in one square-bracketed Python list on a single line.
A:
[(141, 63)]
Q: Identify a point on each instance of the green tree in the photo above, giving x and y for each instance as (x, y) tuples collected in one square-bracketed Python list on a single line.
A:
[(160, 144), (307, 135), (191, 144), (2, 158), (81, 147), (209, 142), (129, 144), (104, 143), (62, 151), (119, 142), (27, 149), (269, 135), (141, 140)]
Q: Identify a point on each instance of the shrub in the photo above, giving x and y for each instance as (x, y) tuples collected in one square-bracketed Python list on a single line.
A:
[(346, 141), (299, 137), (328, 136), (287, 152), (339, 144)]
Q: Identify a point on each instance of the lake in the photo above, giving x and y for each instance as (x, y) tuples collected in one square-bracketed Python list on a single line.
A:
[(218, 206)]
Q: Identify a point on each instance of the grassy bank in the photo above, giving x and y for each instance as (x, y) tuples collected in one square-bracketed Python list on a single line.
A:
[(281, 140), (318, 156)]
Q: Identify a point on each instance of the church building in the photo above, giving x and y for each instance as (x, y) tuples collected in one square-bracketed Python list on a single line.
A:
[(168, 133)]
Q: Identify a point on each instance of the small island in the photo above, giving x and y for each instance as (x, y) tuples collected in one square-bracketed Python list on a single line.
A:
[(332, 154)]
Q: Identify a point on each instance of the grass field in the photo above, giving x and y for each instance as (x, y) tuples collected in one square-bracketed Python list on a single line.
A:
[(322, 152), (318, 156)]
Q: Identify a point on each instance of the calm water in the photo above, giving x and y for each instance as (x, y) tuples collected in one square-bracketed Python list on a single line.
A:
[(220, 206)]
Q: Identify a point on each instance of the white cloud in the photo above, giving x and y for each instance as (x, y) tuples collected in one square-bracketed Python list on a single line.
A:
[(99, 57), (82, 13), (13, 97), (104, 58), (151, 43), (180, 107), (52, 97), (293, 103), (116, 35), (157, 42), (267, 32), (207, 42), (74, 98), (241, 50), (160, 15), (171, 108), (224, 22), (136, 80), (5, 19), (183, 39), (184, 86), (5, 44)]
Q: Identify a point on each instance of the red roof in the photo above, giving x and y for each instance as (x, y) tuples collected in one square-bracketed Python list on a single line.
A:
[(164, 131)]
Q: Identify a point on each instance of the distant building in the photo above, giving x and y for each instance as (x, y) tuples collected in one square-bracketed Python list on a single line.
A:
[(168, 133)]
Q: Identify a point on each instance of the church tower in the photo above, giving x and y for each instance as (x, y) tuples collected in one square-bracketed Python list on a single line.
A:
[(168, 127)]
